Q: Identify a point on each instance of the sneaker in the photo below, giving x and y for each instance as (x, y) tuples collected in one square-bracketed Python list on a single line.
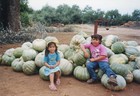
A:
[(112, 81), (90, 81)]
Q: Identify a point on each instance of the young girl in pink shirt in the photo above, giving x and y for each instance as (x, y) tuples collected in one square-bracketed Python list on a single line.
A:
[(98, 59)]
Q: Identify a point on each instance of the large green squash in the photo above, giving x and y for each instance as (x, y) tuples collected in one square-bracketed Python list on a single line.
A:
[(118, 47), (118, 58), (7, 59), (132, 52), (76, 41), (120, 81), (39, 59), (137, 60), (39, 44), (63, 48), (81, 73), (42, 73), (29, 54), (78, 57), (122, 70), (18, 52), (29, 67), (66, 67), (17, 64), (136, 74), (27, 45), (109, 40)]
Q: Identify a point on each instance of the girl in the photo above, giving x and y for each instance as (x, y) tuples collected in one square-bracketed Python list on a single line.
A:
[(97, 59), (52, 60)]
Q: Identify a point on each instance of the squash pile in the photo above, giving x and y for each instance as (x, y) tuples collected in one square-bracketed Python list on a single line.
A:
[(124, 59)]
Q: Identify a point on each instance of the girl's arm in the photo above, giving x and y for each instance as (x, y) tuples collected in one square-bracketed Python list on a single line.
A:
[(98, 58), (84, 50), (57, 64), (47, 65)]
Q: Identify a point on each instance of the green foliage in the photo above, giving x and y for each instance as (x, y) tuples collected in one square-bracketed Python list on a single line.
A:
[(24, 13), (136, 15), (65, 14)]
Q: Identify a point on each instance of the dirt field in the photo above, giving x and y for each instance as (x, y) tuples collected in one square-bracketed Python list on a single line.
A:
[(18, 84)]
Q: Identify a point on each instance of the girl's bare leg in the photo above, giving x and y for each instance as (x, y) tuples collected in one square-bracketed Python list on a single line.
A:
[(58, 77), (52, 85)]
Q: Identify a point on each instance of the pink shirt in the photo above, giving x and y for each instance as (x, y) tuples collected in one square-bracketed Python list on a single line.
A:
[(97, 51)]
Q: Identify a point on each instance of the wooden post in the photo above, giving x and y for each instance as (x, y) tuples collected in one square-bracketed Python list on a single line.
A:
[(95, 27)]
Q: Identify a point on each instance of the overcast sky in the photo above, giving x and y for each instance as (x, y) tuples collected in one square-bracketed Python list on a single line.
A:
[(124, 6)]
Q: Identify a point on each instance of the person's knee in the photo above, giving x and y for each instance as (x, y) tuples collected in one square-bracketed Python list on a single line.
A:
[(88, 66)]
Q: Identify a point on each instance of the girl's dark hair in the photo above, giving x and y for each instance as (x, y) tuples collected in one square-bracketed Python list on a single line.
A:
[(97, 37), (49, 44)]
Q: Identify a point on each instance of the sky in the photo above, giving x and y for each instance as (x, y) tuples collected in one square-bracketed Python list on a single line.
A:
[(123, 6)]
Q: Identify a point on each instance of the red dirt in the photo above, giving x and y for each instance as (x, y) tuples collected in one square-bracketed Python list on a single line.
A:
[(18, 84)]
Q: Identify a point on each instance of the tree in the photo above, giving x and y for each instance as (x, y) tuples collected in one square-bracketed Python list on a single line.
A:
[(10, 14), (114, 16), (136, 15)]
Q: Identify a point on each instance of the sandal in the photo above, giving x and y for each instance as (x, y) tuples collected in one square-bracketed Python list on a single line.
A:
[(58, 82), (112, 81), (52, 87)]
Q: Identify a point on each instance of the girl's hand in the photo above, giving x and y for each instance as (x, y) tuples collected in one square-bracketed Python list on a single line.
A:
[(92, 59), (51, 67), (86, 55)]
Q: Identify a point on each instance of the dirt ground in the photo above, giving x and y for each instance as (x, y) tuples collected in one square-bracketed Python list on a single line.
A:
[(18, 84)]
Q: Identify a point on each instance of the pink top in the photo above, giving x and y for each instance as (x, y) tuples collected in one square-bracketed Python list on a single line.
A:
[(97, 51)]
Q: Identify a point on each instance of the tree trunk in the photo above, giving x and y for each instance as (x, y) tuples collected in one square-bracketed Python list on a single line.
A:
[(10, 14)]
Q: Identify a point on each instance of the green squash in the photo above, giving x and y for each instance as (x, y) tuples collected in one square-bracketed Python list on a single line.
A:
[(118, 58), (29, 67), (17, 64), (81, 73), (118, 47), (136, 74), (122, 70), (42, 73), (132, 52), (120, 81), (66, 67)]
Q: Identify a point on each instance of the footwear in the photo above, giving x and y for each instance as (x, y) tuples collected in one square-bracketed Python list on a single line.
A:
[(90, 81), (112, 81), (52, 87), (58, 82)]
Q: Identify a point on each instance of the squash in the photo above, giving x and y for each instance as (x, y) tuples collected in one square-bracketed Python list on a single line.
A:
[(39, 44), (7, 59), (27, 45), (122, 70), (51, 39), (120, 81), (137, 60), (29, 54), (63, 48), (76, 41), (118, 47), (0, 58), (42, 73), (118, 58), (29, 67), (84, 34), (17, 64), (109, 40), (136, 74), (81, 73), (78, 57), (132, 52), (66, 67), (109, 52), (18, 52), (39, 59)]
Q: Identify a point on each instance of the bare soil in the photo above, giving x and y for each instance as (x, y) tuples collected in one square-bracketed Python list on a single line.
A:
[(18, 84)]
